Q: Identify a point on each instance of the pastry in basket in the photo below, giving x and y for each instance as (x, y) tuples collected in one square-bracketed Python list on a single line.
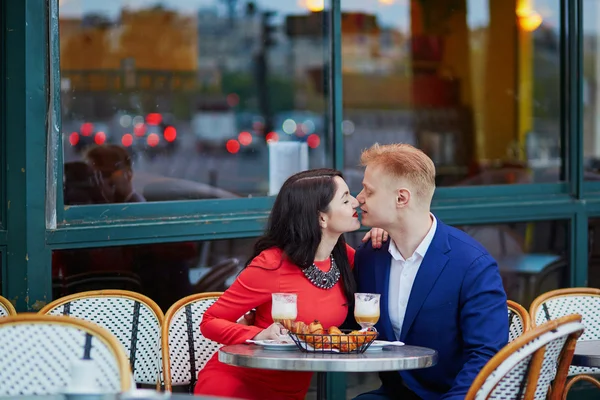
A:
[(335, 337), (362, 337), (347, 345), (314, 328), (297, 327)]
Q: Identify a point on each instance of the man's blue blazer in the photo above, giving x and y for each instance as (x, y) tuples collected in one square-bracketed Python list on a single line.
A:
[(457, 306)]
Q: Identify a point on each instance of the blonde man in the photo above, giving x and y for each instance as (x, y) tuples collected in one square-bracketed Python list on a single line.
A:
[(440, 288)]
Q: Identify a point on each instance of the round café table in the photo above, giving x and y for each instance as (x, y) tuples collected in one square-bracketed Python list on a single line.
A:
[(587, 354), (390, 358)]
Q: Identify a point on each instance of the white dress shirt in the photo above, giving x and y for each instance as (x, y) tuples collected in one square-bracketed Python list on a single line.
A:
[(402, 277)]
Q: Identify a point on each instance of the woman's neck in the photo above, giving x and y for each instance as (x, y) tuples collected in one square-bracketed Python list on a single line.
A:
[(326, 247)]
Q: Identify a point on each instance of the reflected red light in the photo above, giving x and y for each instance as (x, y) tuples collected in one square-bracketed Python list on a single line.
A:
[(258, 126), (233, 146), (154, 118), (153, 139), (139, 129), (272, 137), (233, 99), (313, 141), (245, 138), (87, 129), (170, 134), (127, 140), (100, 138), (74, 138)]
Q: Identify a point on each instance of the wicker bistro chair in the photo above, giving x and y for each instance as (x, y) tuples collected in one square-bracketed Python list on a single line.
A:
[(518, 320), (133, 318), (36, 353), (533, 367), (6, 308), (582, 301), (185, 350)]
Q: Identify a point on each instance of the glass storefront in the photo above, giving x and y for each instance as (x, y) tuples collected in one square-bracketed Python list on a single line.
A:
[(473, 83), (197, 99)]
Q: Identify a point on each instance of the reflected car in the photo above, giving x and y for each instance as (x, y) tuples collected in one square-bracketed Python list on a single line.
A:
[(153, 134), (89, 134)]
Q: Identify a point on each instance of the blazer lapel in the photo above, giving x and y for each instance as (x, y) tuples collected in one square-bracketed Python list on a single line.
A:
[(381, 268), (431, 267)]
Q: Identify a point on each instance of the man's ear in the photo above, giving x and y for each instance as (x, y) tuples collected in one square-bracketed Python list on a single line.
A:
[(402, 197), (129, 174)]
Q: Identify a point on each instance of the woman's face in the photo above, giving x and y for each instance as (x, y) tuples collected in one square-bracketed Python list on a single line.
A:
[(341, 216)]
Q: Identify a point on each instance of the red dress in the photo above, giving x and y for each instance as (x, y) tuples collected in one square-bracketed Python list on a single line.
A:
[(269, 272)]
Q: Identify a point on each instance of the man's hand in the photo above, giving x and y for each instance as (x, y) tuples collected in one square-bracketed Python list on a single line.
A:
[(248, 318), (377, 236)]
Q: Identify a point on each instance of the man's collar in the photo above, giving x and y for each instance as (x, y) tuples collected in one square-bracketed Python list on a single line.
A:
[(421, 248)]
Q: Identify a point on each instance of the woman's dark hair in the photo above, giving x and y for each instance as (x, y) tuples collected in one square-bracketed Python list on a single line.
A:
[(294, 227), (81, 184)]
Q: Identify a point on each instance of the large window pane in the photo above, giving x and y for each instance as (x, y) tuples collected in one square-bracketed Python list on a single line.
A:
[(474, 83), (202, 98), (594, 252), (165, 272), (532, 258), (591, 86)]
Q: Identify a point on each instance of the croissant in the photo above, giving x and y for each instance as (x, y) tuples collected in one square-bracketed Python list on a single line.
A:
[(316, 328), (288, 324), (346, 344), (320, 342), (334, 330), (358, 337), (299, 327), (336, 335)]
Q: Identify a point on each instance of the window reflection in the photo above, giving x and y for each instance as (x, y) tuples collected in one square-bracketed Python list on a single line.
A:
[(594, 253), (474, 83), (165, 272), (207, 98), (591, 75)]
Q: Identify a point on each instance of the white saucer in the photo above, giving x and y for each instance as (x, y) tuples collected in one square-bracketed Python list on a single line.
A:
[(274, 345)]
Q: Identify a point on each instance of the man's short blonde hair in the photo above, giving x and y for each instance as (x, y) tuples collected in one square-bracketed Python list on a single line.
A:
[(403, 161)]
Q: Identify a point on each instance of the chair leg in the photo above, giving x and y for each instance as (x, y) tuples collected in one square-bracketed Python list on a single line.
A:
[(576, 379)]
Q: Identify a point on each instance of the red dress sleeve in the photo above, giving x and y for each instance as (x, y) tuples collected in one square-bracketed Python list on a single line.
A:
[(252, 288), (350, 251)]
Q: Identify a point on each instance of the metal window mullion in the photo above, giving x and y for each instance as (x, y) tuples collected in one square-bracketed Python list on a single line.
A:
[(335, 83), (54, 154), (573, 73)]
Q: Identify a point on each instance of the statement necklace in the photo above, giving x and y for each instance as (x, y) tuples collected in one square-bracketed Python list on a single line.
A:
[(323, 280)]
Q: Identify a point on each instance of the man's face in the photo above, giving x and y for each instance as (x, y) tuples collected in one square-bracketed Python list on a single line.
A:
[(377, 198), (115, 183)]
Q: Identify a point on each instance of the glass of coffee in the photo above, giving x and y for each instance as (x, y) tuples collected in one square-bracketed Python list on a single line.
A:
[(284, 307), (366, 309)]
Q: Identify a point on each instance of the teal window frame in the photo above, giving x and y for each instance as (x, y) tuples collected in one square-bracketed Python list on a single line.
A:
[(34, 225), (245, 211), (3, 202)]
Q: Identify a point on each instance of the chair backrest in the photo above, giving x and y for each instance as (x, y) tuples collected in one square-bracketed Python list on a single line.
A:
[(6, 308), (518, 320), (133, 318), (582, 301), (185, 349), (533, 366), (37, 351)]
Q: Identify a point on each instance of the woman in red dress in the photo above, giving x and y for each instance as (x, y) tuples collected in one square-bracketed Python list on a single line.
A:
[(303, 244)]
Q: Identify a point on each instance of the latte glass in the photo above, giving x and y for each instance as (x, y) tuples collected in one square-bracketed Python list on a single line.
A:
[(366, 309)]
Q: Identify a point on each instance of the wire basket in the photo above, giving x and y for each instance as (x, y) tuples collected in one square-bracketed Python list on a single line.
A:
[(349, 343)]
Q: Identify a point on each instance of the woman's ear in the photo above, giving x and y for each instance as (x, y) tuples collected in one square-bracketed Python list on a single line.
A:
[(322, 220)]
